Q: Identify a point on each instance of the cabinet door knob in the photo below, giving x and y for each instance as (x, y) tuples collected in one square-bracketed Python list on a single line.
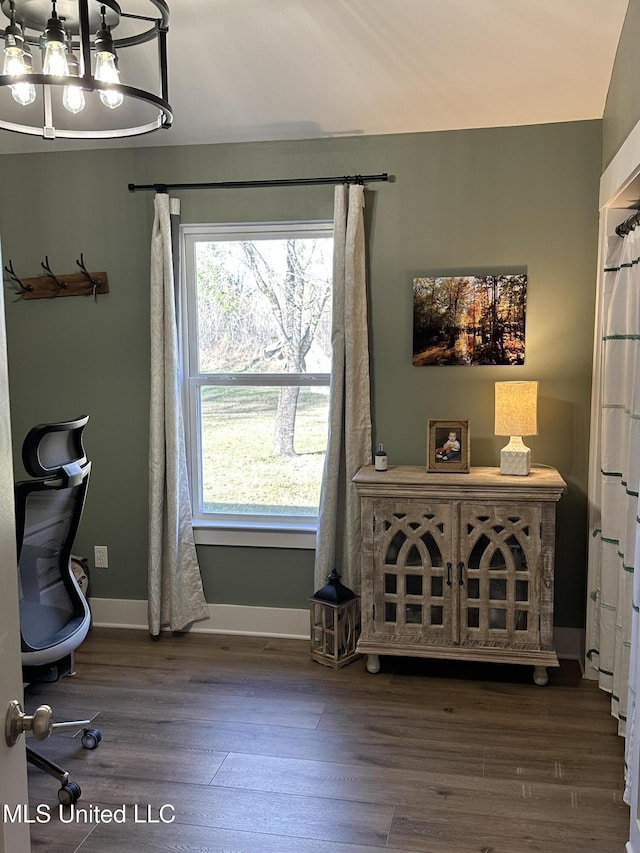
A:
[(460, 574), (448, 574)]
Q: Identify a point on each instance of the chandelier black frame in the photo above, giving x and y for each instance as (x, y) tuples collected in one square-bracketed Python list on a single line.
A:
[(78, 17)]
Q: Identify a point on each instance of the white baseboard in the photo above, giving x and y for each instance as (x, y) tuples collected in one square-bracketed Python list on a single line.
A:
[(223, 618), (283, 622)]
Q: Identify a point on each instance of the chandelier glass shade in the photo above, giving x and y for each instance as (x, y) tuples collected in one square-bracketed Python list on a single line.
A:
[(84, 69)]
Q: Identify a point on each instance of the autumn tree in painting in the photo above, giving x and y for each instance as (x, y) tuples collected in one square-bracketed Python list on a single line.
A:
[(469, 319)]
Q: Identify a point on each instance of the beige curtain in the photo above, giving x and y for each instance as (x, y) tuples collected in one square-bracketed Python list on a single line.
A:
[(349, 445), (176, 596)]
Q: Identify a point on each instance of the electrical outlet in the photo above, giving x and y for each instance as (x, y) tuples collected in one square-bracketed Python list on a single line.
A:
[(100, 556)]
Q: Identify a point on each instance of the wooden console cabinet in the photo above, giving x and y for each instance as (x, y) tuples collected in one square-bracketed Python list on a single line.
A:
[(458, 566)]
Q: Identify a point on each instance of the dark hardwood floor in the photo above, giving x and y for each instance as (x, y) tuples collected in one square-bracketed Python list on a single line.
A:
[(252, 748)]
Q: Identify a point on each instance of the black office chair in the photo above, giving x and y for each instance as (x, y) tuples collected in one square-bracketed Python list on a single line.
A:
[(54, 614)]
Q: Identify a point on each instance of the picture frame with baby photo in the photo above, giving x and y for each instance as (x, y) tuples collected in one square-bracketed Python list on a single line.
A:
[(448, 446)]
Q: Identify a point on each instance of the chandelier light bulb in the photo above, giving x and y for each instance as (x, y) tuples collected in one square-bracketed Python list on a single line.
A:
[(13, 48), (106, 69), (106, 72), (55, 54), (73, 99), (13, 61), (55, 60), (24, 93)]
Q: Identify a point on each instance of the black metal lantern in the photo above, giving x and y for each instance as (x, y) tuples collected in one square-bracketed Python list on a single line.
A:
[(84, 69), (335, 623)]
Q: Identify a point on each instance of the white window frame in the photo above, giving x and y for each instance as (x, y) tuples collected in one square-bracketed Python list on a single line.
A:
[(227, 528)]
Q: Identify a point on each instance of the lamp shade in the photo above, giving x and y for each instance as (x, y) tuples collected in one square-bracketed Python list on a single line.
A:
[(516, 408)]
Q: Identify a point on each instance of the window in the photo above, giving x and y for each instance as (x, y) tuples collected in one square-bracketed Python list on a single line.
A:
[(257, 351)]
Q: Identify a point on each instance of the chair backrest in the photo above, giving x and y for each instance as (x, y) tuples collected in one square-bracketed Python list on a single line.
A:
[(54, 615)]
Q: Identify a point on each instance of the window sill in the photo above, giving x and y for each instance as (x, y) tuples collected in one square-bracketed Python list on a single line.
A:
[(255, 535)]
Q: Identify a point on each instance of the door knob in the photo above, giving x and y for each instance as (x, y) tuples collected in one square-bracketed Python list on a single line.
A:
[(40, 723)]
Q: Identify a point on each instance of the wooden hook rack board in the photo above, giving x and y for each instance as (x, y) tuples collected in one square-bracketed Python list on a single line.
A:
[(75, 284)]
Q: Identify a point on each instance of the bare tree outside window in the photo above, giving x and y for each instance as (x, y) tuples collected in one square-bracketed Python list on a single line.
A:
[(261, 366)]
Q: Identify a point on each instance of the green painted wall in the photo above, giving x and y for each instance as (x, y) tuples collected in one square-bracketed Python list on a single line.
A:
[(622, 109), (464, 201)]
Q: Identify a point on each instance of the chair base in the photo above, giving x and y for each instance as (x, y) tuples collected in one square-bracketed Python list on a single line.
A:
[(48, 766), (48, 672), (69, 791)]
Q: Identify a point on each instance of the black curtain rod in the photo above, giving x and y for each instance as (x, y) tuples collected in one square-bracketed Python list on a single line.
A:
[(284, 182), (628, 225)]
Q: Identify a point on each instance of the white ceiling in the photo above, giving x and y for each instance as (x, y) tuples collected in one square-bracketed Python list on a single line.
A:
[(246, 70)]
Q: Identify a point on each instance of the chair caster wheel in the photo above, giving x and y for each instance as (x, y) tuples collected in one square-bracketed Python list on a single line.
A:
[(91, 738), (69, 794)]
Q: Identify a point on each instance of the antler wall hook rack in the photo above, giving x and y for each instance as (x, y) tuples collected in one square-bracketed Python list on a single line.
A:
[(83, 283), (23, 288)]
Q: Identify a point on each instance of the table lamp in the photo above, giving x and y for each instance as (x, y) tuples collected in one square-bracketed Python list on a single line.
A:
[(516, 415)]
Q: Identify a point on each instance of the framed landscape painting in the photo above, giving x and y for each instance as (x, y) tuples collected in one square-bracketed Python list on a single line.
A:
[(467, 319)]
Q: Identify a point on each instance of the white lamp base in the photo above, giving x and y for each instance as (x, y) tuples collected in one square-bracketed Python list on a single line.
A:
[(515, 457)]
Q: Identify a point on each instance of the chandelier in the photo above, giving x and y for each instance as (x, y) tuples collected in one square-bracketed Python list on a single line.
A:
[(83, 69)]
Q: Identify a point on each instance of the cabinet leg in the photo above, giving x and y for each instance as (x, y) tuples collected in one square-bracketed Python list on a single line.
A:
[(540, 676), (373, 664)]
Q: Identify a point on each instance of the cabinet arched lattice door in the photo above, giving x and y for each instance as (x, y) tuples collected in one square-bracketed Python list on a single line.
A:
[(458, 566), (500, 554), (411, 541)]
